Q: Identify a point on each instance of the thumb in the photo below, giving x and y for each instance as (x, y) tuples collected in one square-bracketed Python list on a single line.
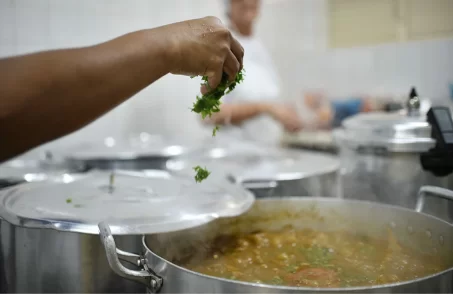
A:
[(215, 79)]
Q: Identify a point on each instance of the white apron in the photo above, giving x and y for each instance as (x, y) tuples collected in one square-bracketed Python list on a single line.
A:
[(260, 85)]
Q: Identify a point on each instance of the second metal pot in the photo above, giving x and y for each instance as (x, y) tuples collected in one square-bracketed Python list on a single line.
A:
[(270, 172)]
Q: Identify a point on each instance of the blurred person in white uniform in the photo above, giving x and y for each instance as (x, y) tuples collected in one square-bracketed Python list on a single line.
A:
[(254, 110)]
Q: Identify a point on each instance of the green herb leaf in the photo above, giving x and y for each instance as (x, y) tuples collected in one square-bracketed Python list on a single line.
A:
[(276, 281), (201, 175), (209, 103), (69, 200), (317, 255), (291, 269), (214, 131)]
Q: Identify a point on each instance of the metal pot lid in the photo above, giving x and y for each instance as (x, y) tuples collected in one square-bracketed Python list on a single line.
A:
[(394, 131), (258, 164), (130, 202), (142, 146)]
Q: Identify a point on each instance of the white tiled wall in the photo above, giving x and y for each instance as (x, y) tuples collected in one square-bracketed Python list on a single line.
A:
[(293, 30), (388, 69)]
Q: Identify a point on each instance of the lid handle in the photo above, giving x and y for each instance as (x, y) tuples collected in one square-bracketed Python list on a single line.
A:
[(259, 185), (111, 182), (439, 160), (413, 103), (145, 276)]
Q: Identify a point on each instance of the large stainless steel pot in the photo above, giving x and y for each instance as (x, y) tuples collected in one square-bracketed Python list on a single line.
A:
[(49, 230), (58, 260), (137, 153), (413, 228), (387, 157), (269, 172), (49, 261)]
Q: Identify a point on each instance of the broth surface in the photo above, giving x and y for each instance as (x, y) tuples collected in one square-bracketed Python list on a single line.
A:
[(307, 258)]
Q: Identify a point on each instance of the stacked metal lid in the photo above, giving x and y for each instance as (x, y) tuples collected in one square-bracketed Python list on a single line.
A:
[(407, 130), (394, 132)]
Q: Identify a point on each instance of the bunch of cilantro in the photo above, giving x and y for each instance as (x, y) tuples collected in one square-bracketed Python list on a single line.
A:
[(209, 103)]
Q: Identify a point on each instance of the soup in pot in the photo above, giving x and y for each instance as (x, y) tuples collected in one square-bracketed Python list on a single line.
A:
[(308, 258)]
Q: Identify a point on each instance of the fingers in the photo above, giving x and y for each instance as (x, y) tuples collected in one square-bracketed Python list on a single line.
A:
[(231, 66), (234, 59), (229, 60), (215, 79), (204, 89), (293, 127), (238, 51), (296, 125), (290, 119)]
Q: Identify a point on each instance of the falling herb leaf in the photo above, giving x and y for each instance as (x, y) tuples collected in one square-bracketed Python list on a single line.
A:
[(214, 131), (69, 200), (209, 103), (201, 175)]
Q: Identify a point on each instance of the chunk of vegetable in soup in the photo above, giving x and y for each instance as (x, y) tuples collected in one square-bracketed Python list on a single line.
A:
[(309, 258)]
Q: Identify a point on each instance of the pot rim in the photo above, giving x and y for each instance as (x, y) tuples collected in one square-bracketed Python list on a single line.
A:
[(343, 289), (292, 176), (121, 157)]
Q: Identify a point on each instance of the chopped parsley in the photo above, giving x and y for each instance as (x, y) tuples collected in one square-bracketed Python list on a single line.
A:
[(209, 103), (318, 256), (276, 281), (291, 268), (214, 131), (69, 200), (201, 175)]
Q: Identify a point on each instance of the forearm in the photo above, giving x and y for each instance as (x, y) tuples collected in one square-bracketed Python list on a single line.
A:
[(238, 113), (46, 95)]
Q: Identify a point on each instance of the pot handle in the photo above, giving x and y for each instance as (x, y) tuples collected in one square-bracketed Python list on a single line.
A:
[(256, 185), (431, 191), (144, 276), (262, 184)]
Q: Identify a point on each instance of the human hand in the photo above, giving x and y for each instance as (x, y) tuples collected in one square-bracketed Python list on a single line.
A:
[(287, 116), (203, 47)]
